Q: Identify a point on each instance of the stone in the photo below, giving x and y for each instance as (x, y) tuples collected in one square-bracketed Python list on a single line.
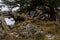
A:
[(30, 27), (33, 28), (25, 34), (49, 36), (25, 23)]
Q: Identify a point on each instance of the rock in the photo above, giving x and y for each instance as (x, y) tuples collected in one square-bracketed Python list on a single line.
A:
[(25, 34), (50, 37), (28, 26), (31, 27), (11, 34), (25, 23), (14, 34)]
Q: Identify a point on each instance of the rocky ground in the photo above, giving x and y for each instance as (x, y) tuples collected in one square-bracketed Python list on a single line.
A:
[(31, 30)]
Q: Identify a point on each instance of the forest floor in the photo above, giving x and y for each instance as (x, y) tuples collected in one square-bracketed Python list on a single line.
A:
[(32, 30)]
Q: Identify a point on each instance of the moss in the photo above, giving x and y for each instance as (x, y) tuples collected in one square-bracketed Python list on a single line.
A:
[(42, 38), (57, 29), (57, 38), (44, 23), (39, 23)]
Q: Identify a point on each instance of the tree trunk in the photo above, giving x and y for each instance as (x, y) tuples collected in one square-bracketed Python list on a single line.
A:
[(52, 13)]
